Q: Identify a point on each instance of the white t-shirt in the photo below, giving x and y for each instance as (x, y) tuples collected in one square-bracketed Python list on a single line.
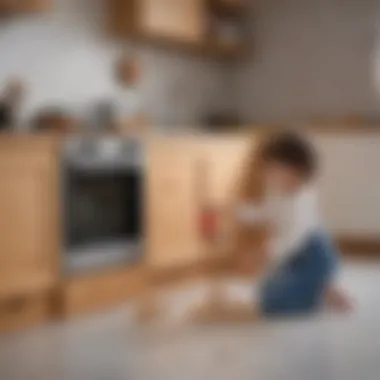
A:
[(293, 219)]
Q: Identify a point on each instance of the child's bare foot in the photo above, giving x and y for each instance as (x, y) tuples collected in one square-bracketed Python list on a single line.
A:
[(338, 300)]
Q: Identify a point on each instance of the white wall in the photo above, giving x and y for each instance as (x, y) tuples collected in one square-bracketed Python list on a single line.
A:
[(350, 183), (64, 59), (321, 57), (310, 58)]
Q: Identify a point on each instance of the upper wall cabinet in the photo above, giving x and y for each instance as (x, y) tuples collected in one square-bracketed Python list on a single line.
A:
[(178, 20), (182, 20), (209, 27)]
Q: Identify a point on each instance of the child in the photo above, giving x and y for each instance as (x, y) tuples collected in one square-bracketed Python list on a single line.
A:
[(302, 260)]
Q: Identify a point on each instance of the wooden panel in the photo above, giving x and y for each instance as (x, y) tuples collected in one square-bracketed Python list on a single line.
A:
[(90, 293), (22, 312), (225, 159), (184, 176), (29, 219), (176, 19), (173, 203)]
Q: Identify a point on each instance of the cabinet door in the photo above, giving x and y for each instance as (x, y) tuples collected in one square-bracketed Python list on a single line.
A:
[(227, 163), (181, 20), (28, 221), (225, 159), (172, 204)]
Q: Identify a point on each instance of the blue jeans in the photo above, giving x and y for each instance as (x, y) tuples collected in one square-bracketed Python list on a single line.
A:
[(299, 284)]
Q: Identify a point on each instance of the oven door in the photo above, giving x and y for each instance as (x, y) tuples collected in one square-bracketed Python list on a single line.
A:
[(103, 217)]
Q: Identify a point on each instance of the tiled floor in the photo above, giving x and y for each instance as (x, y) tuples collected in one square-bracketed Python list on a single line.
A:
[(110, 347)]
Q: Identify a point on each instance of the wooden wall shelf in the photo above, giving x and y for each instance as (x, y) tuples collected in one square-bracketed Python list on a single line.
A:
[(192, 26)]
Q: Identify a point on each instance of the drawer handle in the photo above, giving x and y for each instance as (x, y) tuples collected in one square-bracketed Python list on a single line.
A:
[(14, 305)]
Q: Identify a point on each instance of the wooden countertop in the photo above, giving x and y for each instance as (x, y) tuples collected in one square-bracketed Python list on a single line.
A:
[(251, 130)]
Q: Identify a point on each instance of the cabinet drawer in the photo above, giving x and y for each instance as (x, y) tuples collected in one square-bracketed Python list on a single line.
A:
[(23, 311)]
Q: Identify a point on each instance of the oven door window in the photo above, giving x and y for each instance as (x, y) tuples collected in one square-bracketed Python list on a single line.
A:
[(103, 207), (103, 218)]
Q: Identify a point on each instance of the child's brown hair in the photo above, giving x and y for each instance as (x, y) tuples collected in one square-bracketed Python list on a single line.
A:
[(292, 150)]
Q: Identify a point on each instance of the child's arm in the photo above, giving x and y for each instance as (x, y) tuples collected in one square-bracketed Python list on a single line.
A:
[(253, 255), (250, 213)]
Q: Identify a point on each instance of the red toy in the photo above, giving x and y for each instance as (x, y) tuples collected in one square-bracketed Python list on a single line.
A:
[(209, 224)]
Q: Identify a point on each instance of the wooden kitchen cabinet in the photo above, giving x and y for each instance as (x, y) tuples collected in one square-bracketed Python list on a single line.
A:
[(172, 203), (189, 25), (158, 20), (29, 238), (184, 178), (224, 159), (181, 20)]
